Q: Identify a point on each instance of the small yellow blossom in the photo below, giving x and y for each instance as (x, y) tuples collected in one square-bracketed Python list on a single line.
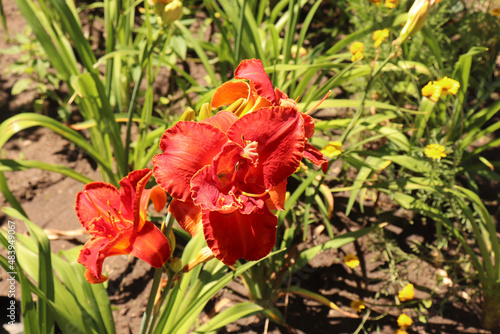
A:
[(351, 260), (445, 86), (495, 12), (358, 305), (432, 92), (332, 149), (379, 36), (448, 86), (376, 2), (391, 3), (357, 49), (406, 293), (404, 321), (435, 151)]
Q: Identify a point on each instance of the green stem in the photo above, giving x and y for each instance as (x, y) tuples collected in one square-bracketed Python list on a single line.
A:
[(156, 308), (151, 301), (166, 229)]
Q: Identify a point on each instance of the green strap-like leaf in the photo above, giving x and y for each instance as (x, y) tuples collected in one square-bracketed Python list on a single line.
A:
[(24, 121), (11, 165), (229, 315)]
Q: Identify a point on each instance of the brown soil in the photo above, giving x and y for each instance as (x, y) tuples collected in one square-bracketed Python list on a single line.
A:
[(48, 199)]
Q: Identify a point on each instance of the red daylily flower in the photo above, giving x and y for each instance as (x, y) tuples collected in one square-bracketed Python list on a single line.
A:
[(117, 221), (226, 174)]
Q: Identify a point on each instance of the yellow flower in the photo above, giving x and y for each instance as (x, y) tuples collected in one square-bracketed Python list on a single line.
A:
[(404, 321), (376, 2), (357, 49), (445, 86), (448, 86), (495, 12), (333, 149), (432, 92), (379, 36), (406, 293), (351, 260), (391, 3), (357, 305), (400, 331), (434, 151)]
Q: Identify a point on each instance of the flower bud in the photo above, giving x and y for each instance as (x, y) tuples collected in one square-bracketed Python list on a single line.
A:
[(175, 264), (187, 115), (204, 255), (172, 12), (205, 111), (416, 19)]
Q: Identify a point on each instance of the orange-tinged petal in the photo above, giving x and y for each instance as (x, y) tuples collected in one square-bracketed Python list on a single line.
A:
[(277, 197), (229, 92), (223, 120), (151, 246), (91, 279), (188, 215), (253, 71), (159, 198), (188, 147), (236, 235), (279, 133)]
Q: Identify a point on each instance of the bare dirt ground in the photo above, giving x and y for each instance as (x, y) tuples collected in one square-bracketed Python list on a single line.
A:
[(48, 199)]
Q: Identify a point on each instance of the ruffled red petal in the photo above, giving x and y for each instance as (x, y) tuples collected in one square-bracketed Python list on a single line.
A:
[(308, 125), (151, 246), (236, 235), (188, 147), (95, 200), (253, 71), (279, 133), (188, 215), (316, 157)]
